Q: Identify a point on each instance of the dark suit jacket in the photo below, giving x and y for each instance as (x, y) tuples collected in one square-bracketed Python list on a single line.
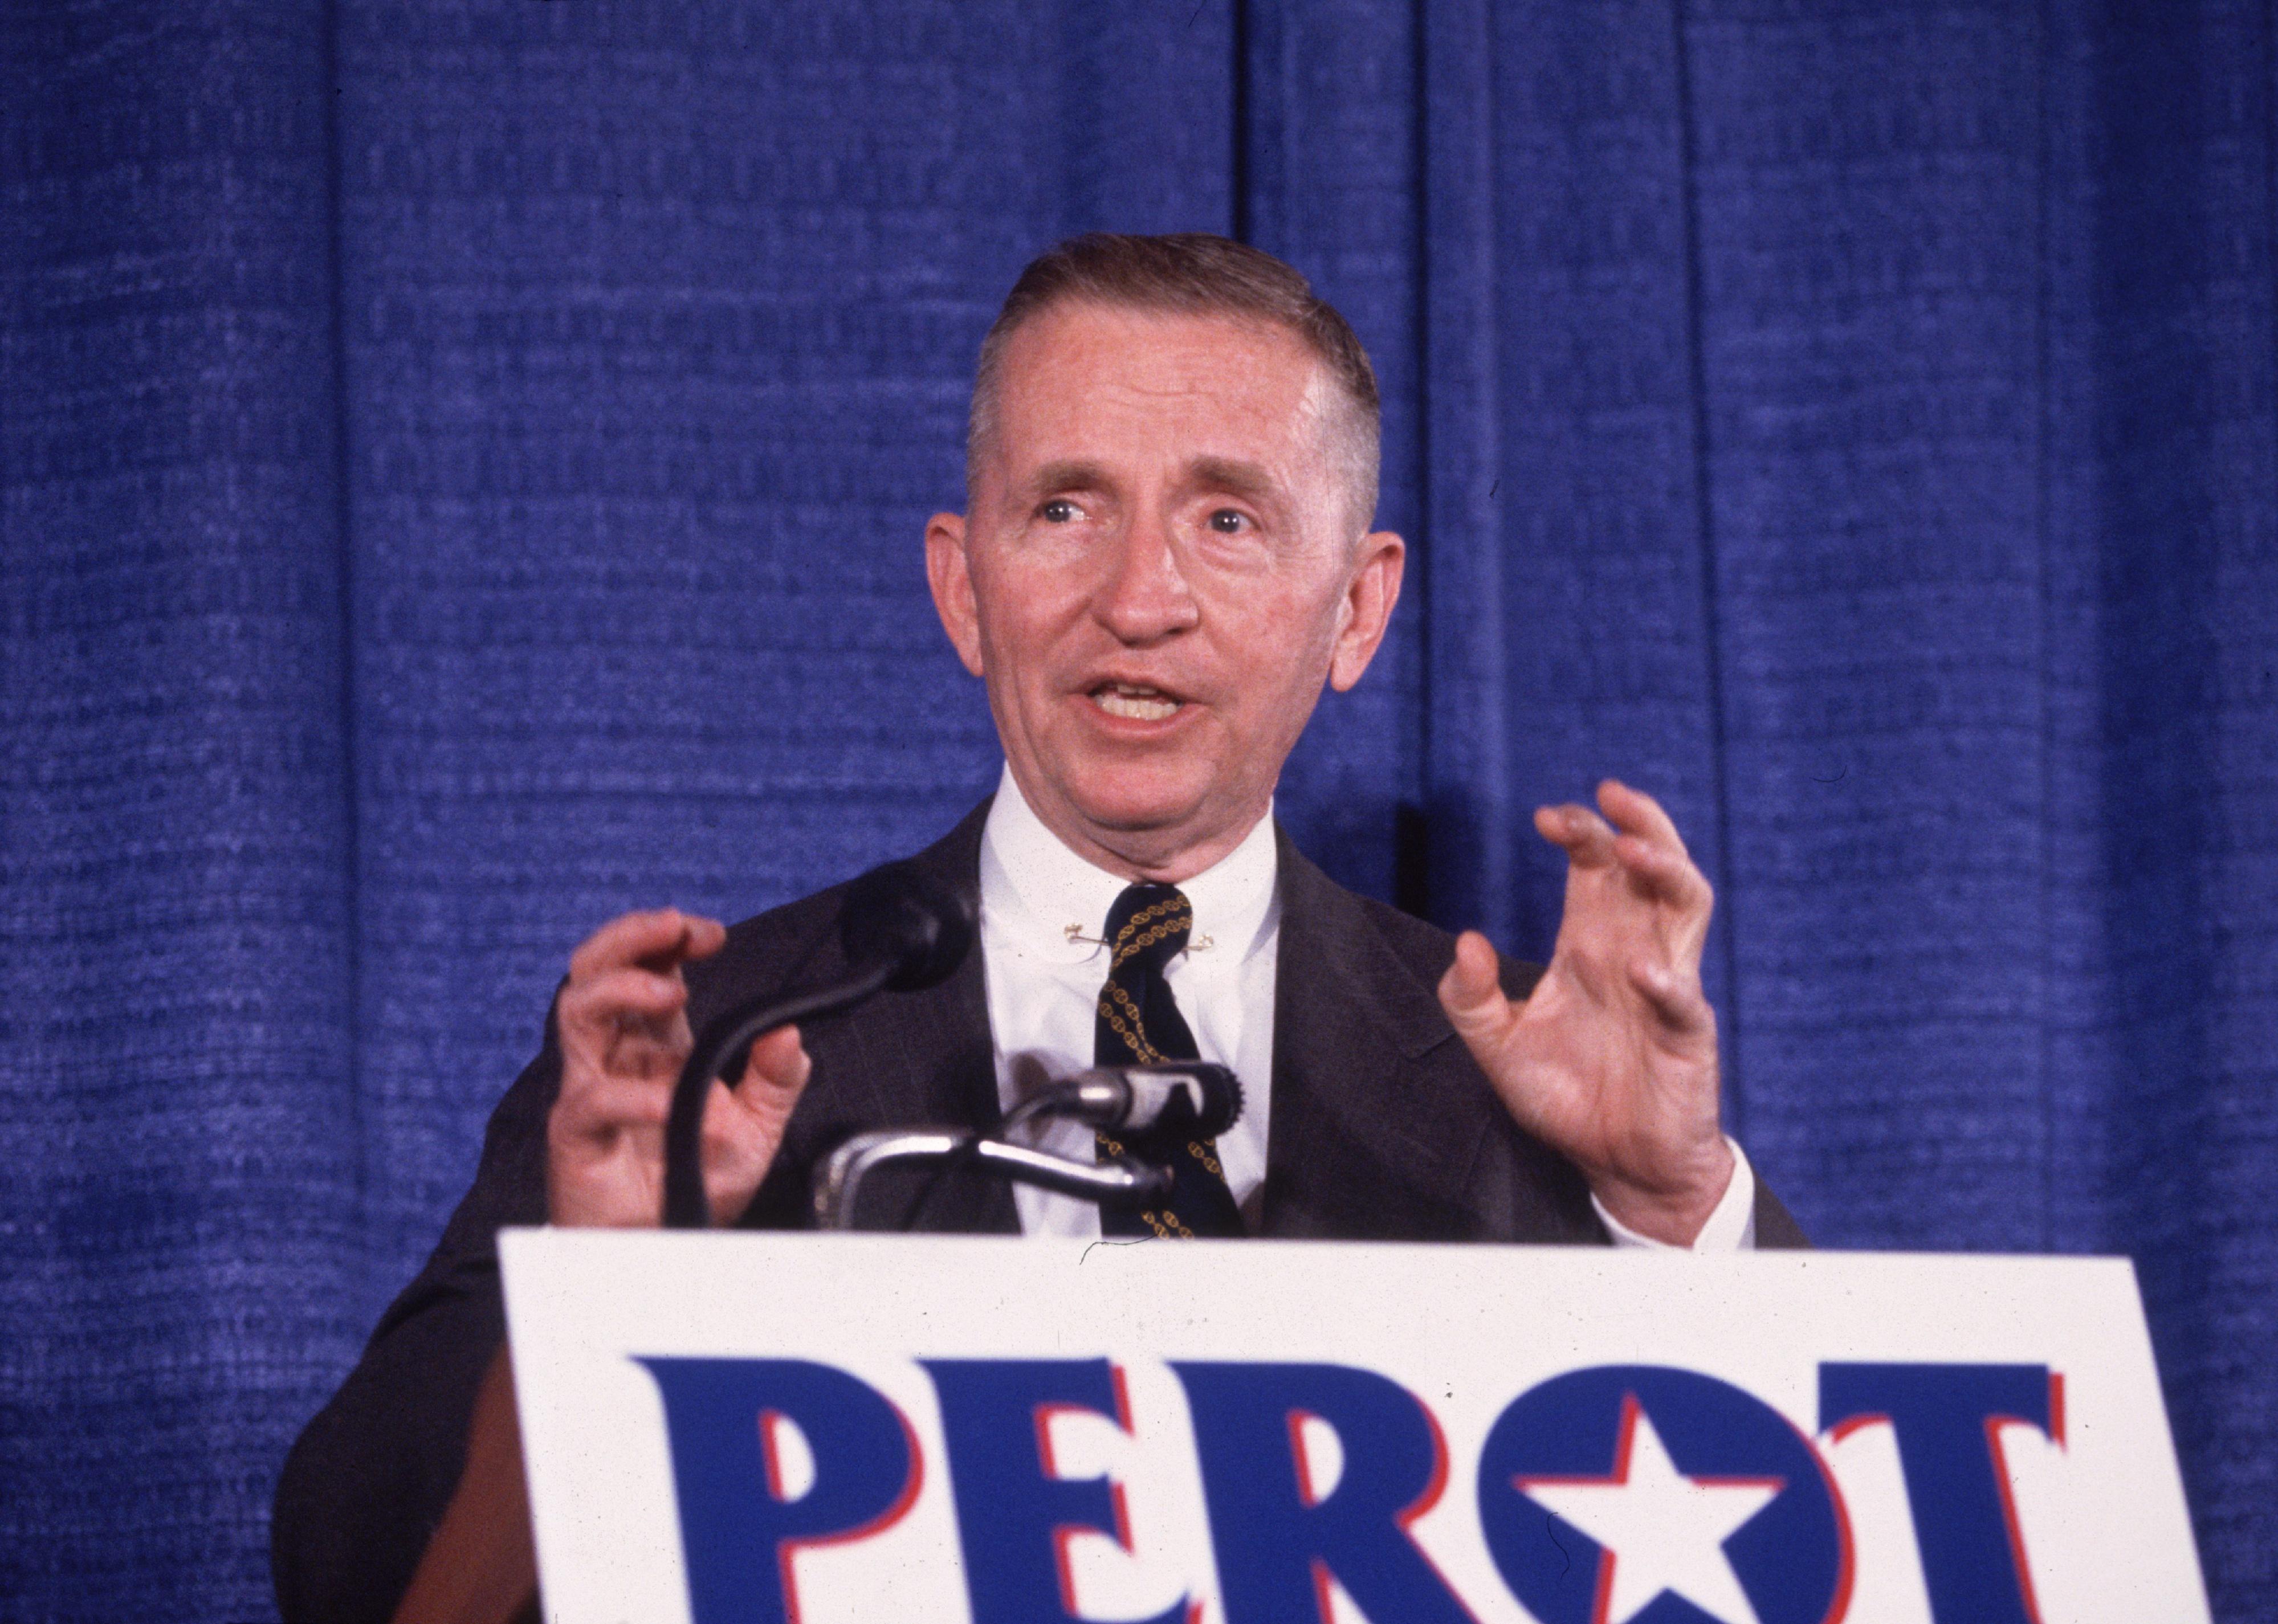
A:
[(1382, 1128)]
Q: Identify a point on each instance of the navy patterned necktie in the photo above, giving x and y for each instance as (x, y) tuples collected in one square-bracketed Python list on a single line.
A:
[(1139, 1021)]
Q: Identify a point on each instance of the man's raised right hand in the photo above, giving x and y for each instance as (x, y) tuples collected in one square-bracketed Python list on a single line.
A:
[(622, 1022)]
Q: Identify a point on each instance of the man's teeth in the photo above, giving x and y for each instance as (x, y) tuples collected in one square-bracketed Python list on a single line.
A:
[(1138, 704)]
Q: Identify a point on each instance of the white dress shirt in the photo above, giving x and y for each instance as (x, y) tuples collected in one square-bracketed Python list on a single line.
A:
[(1043, 909)]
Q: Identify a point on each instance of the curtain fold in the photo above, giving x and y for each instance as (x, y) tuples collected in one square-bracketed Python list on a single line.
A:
[(1868, 193), (1329, 162), (1470, 859), (2163, 464), (461, 472), (179, 1199)]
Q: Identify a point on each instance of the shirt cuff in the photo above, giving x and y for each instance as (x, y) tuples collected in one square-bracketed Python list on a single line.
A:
[(1730, 1228)]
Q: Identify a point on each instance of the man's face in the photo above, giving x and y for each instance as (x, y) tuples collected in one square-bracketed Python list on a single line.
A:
[(1158, 570)]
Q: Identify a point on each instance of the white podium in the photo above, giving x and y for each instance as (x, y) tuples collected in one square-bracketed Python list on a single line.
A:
[(744, 1427)]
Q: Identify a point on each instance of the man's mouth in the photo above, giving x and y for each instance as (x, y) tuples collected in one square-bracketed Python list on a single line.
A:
[(1134, 703)]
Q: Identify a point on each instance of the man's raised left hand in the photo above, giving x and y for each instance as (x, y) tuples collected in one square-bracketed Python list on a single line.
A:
[(1612, 1060)]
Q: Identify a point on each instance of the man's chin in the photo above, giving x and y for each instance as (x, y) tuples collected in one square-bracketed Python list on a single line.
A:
[(1151, 819), (1134, 816)]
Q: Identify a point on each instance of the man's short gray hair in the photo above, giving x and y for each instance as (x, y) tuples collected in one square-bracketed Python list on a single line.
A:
[(1190, 273)]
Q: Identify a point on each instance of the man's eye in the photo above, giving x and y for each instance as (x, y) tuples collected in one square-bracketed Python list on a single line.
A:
[(1058, 511), (1229, 521)]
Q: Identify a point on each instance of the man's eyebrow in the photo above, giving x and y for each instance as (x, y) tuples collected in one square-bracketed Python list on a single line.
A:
[(1074, 474), (1243, 479)]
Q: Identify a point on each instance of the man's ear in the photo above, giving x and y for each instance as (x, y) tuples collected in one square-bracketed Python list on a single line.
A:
[(1370, 594), (951, 580)]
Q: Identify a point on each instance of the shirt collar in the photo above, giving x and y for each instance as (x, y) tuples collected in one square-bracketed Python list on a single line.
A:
[(1037, 886)]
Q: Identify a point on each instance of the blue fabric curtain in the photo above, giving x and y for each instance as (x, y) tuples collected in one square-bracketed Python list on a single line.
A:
[(460, 473)]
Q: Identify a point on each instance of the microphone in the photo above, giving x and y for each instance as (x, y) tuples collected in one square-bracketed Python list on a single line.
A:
[(901, 915), (898, 926), (1182, 1099), (1192, 1099)]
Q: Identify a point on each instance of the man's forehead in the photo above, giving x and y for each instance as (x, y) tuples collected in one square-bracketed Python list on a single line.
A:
[(1083, 366), (1147, 328)]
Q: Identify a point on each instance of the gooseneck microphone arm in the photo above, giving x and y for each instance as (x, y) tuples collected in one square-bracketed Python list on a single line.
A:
[(899, 927), (723, 1042)]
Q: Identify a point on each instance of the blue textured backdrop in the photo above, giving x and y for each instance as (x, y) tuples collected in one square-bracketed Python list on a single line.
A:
[(461, 467)]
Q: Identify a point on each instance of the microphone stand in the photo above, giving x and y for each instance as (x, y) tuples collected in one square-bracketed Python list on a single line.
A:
[(898, 926), (723, 1040), (1116, 1183)]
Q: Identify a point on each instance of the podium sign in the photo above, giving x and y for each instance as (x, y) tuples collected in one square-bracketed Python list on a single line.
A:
[(738, 1427)]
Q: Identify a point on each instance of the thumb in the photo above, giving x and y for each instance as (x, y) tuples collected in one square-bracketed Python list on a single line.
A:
[(775, 1073), (1472, 991)]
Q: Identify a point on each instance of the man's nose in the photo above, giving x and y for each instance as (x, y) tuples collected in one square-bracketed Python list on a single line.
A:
[(1144, 596)]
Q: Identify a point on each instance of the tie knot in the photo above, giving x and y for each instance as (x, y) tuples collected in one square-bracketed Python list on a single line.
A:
[(1149, 925)]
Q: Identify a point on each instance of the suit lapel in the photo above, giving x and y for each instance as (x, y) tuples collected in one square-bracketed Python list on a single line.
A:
[(930, 1063), (1376, 1123), (1378, 1114)]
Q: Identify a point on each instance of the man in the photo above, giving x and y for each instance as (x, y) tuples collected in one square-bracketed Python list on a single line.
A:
[(1166, 555)]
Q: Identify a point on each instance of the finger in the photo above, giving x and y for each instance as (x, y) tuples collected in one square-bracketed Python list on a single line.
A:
[(744, 1127), (705, 937), (1588, 840), (1471, 990), (1674, 996), (778, 1067), (659, 939), (610, 1102), (1664, 874), (1638, 813), (698, 938), (626, 992)]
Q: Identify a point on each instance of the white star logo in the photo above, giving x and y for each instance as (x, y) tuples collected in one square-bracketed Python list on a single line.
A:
[(1660, 1530)]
